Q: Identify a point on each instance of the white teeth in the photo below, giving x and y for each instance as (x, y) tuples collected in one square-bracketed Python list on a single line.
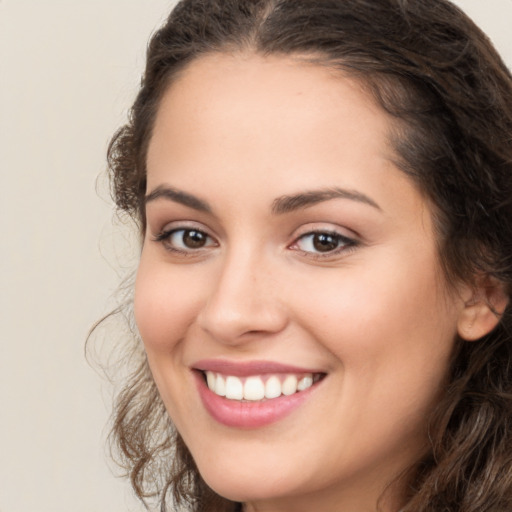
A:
[(305, 383), (211, 379), (234, 388), (273, 387), (220, 386), (255, 388), (290, 385)]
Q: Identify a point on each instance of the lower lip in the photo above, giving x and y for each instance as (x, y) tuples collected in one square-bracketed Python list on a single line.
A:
[(234, 413)]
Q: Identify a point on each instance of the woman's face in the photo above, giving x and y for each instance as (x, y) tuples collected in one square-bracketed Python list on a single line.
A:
[(289, 262)]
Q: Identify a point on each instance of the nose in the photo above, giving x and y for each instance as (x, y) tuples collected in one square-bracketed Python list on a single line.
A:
[(243, 302)]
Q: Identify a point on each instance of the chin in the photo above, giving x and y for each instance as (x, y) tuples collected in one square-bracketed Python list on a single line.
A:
[(243, 484)]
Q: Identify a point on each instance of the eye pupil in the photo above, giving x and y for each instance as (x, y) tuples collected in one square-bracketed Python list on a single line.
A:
[(194, 239), (324, 242)]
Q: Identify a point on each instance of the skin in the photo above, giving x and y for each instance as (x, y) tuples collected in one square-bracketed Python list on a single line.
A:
[(375, 315)]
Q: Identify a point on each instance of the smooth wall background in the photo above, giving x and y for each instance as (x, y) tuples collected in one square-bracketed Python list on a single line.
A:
[(69, 70)]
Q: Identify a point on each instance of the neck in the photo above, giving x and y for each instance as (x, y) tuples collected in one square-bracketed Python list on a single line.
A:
[(368, 499)]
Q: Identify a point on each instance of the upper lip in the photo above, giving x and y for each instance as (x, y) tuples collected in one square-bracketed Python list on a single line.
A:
[(247, 368)]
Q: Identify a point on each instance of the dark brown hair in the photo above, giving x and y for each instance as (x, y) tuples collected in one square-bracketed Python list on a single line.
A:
[(450, 97)]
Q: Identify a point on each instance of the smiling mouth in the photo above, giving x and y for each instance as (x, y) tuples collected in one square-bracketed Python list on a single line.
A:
[(258, 388), (253, 394)]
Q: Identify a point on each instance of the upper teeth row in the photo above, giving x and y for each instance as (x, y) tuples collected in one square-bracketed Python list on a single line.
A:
[(254, 388)]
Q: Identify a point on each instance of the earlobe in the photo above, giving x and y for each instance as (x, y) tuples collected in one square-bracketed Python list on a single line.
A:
[(483, 311)]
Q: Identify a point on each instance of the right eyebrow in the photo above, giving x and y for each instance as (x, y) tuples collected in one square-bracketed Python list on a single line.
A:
[(177, 196)]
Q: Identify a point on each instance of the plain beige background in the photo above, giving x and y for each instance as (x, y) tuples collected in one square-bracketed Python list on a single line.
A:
[(68, 72)]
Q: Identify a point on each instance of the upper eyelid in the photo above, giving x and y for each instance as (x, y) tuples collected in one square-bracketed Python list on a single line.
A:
[(325, 227), (167, 232), (170, 231), (183, 224)]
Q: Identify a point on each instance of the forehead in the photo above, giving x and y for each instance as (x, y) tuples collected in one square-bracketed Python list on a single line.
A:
[(291, 95)]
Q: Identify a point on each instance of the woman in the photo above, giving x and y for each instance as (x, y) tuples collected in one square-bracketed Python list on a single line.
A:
[(323, 190)]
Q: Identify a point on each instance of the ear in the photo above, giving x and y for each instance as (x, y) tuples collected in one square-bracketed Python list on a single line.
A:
[(484, 305)]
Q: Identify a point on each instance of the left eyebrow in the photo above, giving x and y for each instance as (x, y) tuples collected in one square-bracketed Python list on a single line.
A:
[(286, 204)]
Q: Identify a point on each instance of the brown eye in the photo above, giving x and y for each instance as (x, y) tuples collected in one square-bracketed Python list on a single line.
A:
[(185, 240), (193, 239), (325, 242)]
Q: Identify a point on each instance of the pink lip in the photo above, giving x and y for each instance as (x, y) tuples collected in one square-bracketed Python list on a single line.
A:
[(244, 369), (249, 415)]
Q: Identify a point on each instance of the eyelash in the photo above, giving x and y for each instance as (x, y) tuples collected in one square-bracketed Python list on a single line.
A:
[(343, 243), (164, 237)]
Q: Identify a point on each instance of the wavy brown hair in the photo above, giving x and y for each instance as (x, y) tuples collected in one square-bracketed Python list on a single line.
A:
[(450, 99)]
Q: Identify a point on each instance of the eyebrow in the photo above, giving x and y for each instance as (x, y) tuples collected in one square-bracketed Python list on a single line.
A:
[(178, 196), (289, 203), (281, 205)]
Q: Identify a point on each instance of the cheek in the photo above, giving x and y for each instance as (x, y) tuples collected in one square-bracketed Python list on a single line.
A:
[(165, 304), (384, 315), (392, 337)]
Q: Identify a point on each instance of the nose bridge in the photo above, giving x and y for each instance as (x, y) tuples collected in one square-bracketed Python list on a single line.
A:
[(244, 297)]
